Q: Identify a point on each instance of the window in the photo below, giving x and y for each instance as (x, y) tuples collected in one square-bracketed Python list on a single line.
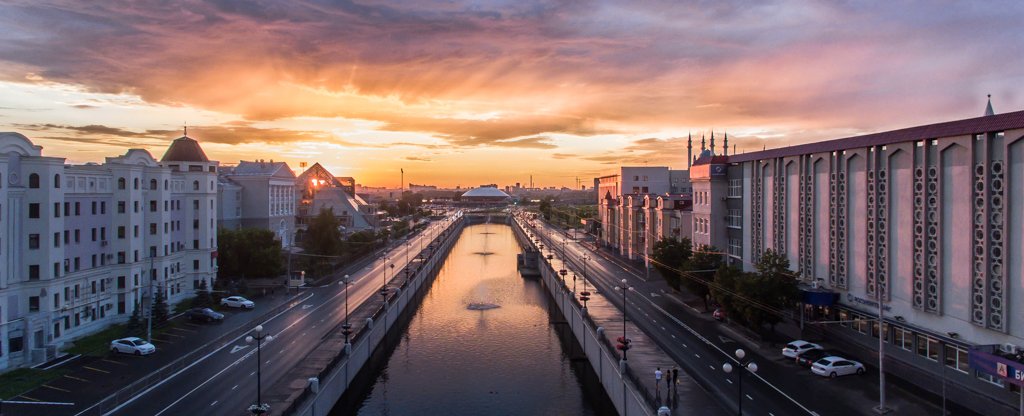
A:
[(736, 247), (735, 188), (874, 329), (33, 181), (903, 338), (120, 280), (33, 210), (195, 204), (195, 224), (93, 234), (33, 241), (135, 183), (120, 207), (195, 185), (195, 244), (56, 270), (928, 347), (734, 219), (152, 228), (78, 208), (93, 207), (78, 263), (33, 272), (56, 181), (67, 209), (78, 235), (152, 184), (120, 183), (56, 239), (33, 303), (195, 264), (152, 206), (956, 358), (136, 203), (103, 207), (120, 257), (56, 210), (103, 233)]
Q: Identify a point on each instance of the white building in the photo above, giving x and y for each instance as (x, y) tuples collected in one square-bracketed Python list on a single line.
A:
[(259, 194), (82, 244), (637, 206)]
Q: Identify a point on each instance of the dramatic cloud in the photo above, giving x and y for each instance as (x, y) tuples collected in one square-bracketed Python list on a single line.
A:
[(522, 75)]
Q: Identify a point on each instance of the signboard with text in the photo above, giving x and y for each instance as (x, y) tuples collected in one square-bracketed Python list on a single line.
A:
[(1008, 370)]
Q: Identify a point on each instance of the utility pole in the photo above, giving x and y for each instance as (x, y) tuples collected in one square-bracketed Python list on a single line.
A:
[(149, 322)]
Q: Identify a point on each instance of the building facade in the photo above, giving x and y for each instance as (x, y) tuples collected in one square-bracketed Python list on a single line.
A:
[(926, 221), (637, 206), (262, 195), (81, 245)]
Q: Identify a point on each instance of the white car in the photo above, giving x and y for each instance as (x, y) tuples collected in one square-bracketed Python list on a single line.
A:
[(834, 366), (237, 302), (797, 347), (132, 345)]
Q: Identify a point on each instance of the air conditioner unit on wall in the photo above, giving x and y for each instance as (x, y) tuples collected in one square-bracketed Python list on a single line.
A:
[(1008, 348)]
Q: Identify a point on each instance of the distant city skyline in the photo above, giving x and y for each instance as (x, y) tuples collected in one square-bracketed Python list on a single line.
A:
[(468, 93)]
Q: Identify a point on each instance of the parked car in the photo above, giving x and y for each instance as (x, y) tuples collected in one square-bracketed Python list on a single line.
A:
[(809, 357), (796, 347), (719, 314), (237, 302), (204, 314), (132, 345), (834, 366)]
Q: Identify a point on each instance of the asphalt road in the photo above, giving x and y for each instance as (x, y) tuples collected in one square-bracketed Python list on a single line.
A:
[(224, 382), (700, 346)]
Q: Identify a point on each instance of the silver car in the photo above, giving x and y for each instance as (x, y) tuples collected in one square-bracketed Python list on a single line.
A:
[(237, 302), (132, 345)]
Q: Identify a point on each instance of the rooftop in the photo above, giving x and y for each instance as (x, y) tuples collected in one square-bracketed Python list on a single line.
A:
[(185, 149)]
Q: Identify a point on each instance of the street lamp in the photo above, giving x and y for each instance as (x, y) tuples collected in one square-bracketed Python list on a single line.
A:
[(750, 366), (346, 328), (258, 336), (384, 288), (585, 294), (623, 341)]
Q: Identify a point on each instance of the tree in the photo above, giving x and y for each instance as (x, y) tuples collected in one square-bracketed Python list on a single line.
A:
[(248, 253), (134, 321), (202, 295), (323, 236), (775, 287), (545, 207), (725, 289), (706, 260), (670, 259), (160, 309)]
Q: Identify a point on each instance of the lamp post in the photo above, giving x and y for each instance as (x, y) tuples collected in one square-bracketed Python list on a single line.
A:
[(623, 341), (384, 288), (258, 336), (585, 294), (346, 328), (750, 366)]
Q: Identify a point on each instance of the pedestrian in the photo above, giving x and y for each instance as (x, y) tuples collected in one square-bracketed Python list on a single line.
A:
[(675, 375), (657, 379)]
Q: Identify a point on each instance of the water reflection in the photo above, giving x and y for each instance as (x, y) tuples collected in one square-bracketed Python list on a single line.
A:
[(482, 342)]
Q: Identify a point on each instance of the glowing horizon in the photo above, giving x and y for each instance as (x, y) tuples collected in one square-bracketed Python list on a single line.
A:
[(477, 93)]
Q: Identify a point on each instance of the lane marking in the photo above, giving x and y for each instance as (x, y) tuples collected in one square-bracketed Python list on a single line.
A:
[(236, 386), (113, 362), (96, 369), (30, 398), (748, 396), (214, 402), (55, 388), (238, 348), (728, 381), (76, 378), (697, 355)]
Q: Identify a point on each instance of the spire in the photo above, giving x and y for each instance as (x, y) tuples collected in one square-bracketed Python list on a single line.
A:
[(725, 146), (689, 150), (185, 127), (702, 146), (988, 108), (712, 141)]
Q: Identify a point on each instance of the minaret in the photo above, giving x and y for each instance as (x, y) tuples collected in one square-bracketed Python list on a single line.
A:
[(725, 146), (689, 150), (712, 142), (988, 108), (703, 147)]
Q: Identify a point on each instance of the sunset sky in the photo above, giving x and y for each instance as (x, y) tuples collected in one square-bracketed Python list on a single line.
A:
[(465, 93)]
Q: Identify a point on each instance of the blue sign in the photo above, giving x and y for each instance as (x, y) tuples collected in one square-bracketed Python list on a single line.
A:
[(866, 302), (996, 366)]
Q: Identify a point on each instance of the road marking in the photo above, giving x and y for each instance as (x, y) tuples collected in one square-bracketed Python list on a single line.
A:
[(76, 378), (663, 329), (673, 336), (214, 402), (183, 329), (96, 369), (238, 348), (728, 381), (173, 335), (30, 398), (268, 362), (252, 373), (698, 355), (236, 386), (685, 346), (56, 388), (113, 362), (307, 306), (711, 367), (748, 396), (725, 339)]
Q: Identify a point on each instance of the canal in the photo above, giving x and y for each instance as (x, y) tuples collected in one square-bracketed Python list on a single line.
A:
[(482, 342)]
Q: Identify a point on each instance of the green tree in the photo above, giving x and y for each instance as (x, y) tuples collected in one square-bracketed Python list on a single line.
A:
[(323, 235), (160, 309), (671, 258), (725, 288), (202, 299), (775, 288), (706, 260), (545, 207), (248, 253), (134, 321)]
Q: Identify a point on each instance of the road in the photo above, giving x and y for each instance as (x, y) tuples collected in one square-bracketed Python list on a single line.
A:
[(224, 381), (696, 345)]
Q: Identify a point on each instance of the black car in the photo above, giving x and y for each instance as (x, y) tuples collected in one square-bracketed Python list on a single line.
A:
[(807, 358), (204, 314)]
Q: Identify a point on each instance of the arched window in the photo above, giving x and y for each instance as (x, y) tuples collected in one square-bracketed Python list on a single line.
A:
[(121, 183), (33, 181), (136, 181), (152, 184), (195, 185), (56, 181), (165, 184)]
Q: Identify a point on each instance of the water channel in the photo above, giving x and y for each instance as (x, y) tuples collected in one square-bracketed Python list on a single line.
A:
[(481, 343)]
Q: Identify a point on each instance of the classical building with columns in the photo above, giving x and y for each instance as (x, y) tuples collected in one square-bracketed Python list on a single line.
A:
[(927, 221), (81, 245)]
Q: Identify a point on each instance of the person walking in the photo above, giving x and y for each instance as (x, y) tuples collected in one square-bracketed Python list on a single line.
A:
[(657, 380), (675, 376)]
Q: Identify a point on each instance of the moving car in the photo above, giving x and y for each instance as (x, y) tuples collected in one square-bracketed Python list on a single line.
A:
[(237, 302), (204, 314), (796, 347), (132, 345), (809, 357), (834, 366)]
